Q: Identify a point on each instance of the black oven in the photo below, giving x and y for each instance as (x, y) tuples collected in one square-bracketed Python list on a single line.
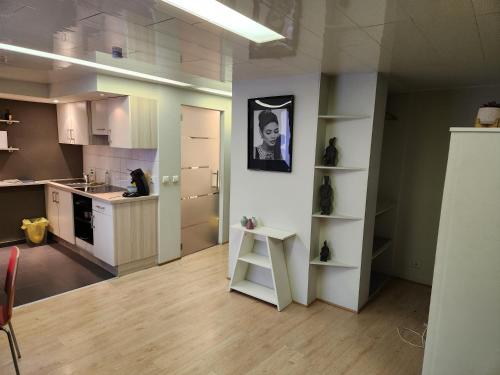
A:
[(82, 209)]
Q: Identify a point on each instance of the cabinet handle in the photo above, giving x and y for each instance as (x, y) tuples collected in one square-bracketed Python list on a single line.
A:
[(100, 207), (57, 195), (92, 221), (53, 197), (109, 136)]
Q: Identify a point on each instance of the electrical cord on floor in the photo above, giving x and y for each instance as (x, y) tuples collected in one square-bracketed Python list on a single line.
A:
[(422, 336)]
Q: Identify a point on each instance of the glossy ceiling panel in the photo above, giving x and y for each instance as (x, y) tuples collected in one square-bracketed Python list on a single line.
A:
[(419, 44)]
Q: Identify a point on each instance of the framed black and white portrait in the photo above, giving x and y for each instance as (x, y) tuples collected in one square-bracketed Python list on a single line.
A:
[(270, 133)]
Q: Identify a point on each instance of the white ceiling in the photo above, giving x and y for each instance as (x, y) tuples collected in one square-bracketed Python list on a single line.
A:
[(420, 44)]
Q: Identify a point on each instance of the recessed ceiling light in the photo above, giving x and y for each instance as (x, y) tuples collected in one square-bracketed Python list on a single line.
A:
[(215, 91), (227, 18), (90, 64), (55, 101)]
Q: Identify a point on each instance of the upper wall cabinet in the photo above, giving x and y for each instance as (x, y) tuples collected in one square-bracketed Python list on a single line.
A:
[(73, 123), (133, 122), (99, 110)]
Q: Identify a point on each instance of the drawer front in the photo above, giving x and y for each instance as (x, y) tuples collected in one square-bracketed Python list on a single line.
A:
[(102, 207)]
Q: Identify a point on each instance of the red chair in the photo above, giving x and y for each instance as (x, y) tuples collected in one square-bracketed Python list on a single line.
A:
[(6, 308)]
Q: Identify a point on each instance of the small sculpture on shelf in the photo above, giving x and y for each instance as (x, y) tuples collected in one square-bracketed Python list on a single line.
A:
[(326, 196), (324, 254), (330, 158), (244, 221), (251, 223)]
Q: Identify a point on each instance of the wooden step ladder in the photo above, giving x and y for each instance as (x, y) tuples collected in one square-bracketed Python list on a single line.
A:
[(280, 295)]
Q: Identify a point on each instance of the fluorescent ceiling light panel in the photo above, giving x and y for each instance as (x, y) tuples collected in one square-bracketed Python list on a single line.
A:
[(215, 91), (227, 18), (90, 64)]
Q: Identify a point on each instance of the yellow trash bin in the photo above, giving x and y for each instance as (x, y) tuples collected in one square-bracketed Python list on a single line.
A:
[(35, 230)]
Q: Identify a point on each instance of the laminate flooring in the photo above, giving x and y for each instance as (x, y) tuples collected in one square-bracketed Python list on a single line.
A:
[(49, 270), (180, 319)]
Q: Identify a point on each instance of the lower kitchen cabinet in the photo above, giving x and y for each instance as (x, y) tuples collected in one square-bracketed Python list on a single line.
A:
[(104, 244), (59, 206), (125, 234)]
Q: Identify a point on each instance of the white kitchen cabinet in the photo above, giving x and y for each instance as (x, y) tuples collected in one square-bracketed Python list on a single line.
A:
[(464, 335), (59, 207), (133, 122), (100, 112), (104, 246), (73, 123), (52, 209)]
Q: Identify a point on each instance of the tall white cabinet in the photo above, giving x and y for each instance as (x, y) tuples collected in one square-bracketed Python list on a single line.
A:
[(464, 332)]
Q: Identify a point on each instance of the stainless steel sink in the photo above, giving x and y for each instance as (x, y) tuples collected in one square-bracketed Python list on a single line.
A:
[(83, 184), (78, 183)]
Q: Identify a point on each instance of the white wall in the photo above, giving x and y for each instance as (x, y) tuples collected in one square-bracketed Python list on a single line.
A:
[(118, 162), (279, 200), (170, 100), (426, 118)]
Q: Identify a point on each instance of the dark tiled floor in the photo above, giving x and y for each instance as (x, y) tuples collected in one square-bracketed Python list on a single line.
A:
[(48, 270)]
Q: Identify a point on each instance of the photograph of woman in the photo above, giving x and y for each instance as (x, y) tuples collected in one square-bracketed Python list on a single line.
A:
[(270, 148), (270, 133)]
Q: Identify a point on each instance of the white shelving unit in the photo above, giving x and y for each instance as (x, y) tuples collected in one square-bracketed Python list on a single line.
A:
[(348, 107), (331, 263), (274, 261), (346, 169), (9, 149), (336, 216), (342, 117), (9, 122)]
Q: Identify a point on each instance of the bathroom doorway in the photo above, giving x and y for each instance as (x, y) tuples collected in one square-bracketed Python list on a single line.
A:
[(200, 178)]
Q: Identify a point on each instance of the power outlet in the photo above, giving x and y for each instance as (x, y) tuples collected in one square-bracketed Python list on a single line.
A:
[(415, 264)]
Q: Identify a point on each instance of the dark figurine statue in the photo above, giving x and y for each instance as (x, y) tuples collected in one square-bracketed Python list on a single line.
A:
[(324, 253), (331, 155), (326, 196)]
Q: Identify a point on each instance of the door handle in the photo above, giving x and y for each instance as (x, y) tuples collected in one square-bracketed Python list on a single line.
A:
[(57, 197), (53, 197), (217, 182)]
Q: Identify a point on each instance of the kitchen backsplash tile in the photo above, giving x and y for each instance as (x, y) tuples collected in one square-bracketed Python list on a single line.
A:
[(118, 161)]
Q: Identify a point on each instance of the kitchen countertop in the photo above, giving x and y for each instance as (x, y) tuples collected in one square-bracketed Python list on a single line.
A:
[(113, 198)]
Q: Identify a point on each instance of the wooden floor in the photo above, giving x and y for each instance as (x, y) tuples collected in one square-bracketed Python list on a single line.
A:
[(180, 319)]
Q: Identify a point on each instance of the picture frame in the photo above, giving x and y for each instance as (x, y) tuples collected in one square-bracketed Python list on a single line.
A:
[(270, 133)]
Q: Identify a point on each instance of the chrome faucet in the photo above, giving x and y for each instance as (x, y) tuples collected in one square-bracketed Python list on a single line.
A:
[(86, 178)]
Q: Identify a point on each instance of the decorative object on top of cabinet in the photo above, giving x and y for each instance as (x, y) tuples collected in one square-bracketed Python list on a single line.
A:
[(324, 254), (488, 116), (244, 221), (326, 196), (330, 158), (133, 122)]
